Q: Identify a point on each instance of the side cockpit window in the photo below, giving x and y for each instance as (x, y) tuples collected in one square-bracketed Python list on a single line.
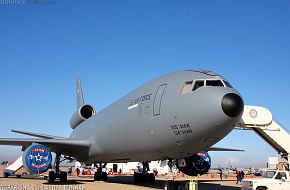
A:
[(198, 84), (227, 84), (187, 87)]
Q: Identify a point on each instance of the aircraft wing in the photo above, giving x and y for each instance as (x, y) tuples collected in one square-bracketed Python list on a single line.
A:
[(44, 136), (221, 149), (67, 147)]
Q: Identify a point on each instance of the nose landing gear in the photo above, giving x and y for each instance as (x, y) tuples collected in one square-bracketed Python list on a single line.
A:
[(101, 175), (53, 175), (144, 176)]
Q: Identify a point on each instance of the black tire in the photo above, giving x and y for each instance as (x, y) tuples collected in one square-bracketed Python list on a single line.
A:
[(151, 178), (146, 178), (18, 176), (6, 175), (51, 177), (138, 177), (104, 176), (97, 176), (63, 177), (100, 176), (261, 188)]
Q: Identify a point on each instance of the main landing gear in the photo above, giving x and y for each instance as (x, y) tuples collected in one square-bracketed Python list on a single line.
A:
[(144, 176), (101, 175), (53, 175)]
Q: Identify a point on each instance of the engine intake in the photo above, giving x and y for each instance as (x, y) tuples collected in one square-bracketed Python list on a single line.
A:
[(82, 114), (198, 163)]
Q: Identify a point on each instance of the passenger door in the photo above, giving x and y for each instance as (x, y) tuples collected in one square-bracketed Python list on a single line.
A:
[(158, 99)]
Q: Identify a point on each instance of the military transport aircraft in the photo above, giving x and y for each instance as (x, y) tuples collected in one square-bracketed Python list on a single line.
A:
[(179, 116)]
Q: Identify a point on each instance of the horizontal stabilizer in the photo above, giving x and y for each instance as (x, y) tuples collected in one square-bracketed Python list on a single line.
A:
[(37, 134), (69, 147), (222, 149)]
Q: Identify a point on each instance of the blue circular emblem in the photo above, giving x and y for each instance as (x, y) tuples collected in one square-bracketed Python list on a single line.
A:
[(202, 161), (198, 163), (37, 158)]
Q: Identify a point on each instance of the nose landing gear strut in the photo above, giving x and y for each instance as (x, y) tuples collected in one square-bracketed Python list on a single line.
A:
[(144, 176), (61, 175), (101, 175)]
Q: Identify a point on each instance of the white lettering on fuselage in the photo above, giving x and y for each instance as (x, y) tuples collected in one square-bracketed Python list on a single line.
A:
[(133, 106), (135, 102)]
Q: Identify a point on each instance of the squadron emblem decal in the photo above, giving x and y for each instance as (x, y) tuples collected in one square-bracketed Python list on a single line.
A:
[(37, 158)]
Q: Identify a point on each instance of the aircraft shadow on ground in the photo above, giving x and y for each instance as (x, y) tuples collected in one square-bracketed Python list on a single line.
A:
[(23, 178), (159, 184), (69, 182), (209, 184), (129, 180)]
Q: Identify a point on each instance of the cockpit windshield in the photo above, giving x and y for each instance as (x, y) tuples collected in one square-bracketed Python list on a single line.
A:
[(190, 86), (214, 83)]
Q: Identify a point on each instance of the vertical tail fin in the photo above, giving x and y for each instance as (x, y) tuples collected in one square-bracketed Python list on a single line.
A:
[(84, 111), (80, 98)]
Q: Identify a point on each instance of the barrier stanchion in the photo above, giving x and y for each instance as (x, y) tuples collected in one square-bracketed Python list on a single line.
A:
[(193, 183)]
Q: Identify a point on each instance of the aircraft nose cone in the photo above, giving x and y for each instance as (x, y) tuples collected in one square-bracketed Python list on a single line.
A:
[(232, 105)]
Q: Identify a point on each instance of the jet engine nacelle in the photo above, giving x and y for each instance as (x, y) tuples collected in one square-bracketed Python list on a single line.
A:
[(198, 163), (83, 113), (36, 158)]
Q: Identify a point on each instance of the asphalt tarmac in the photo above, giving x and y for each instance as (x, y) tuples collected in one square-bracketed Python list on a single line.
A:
[(114, 183)]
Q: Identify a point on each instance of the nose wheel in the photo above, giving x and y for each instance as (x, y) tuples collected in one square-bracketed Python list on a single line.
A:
[(101, 175), (57, 174), (144, 176)]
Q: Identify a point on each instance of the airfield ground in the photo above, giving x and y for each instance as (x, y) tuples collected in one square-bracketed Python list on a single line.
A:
[(114, 183)]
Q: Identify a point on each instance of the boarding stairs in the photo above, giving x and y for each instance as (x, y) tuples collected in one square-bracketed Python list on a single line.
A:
[(12, 168), (261, 121)]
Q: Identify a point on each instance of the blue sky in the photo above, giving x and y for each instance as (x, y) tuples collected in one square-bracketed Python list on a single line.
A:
[(115, 46)]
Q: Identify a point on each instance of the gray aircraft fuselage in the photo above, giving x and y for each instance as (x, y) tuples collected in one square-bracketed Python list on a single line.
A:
[(158, 121)]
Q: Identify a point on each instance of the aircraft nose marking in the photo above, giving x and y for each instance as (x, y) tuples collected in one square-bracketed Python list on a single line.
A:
[(232, 105)]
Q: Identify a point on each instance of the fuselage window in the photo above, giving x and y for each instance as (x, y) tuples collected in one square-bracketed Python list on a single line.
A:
[(198, 84), (187, 87), (214, 83), (227, 84)]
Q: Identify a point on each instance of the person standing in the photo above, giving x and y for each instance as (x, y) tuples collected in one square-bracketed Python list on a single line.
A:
[(221, 174), (242, 175), (78, 171), (239, 177), (69, 171)]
